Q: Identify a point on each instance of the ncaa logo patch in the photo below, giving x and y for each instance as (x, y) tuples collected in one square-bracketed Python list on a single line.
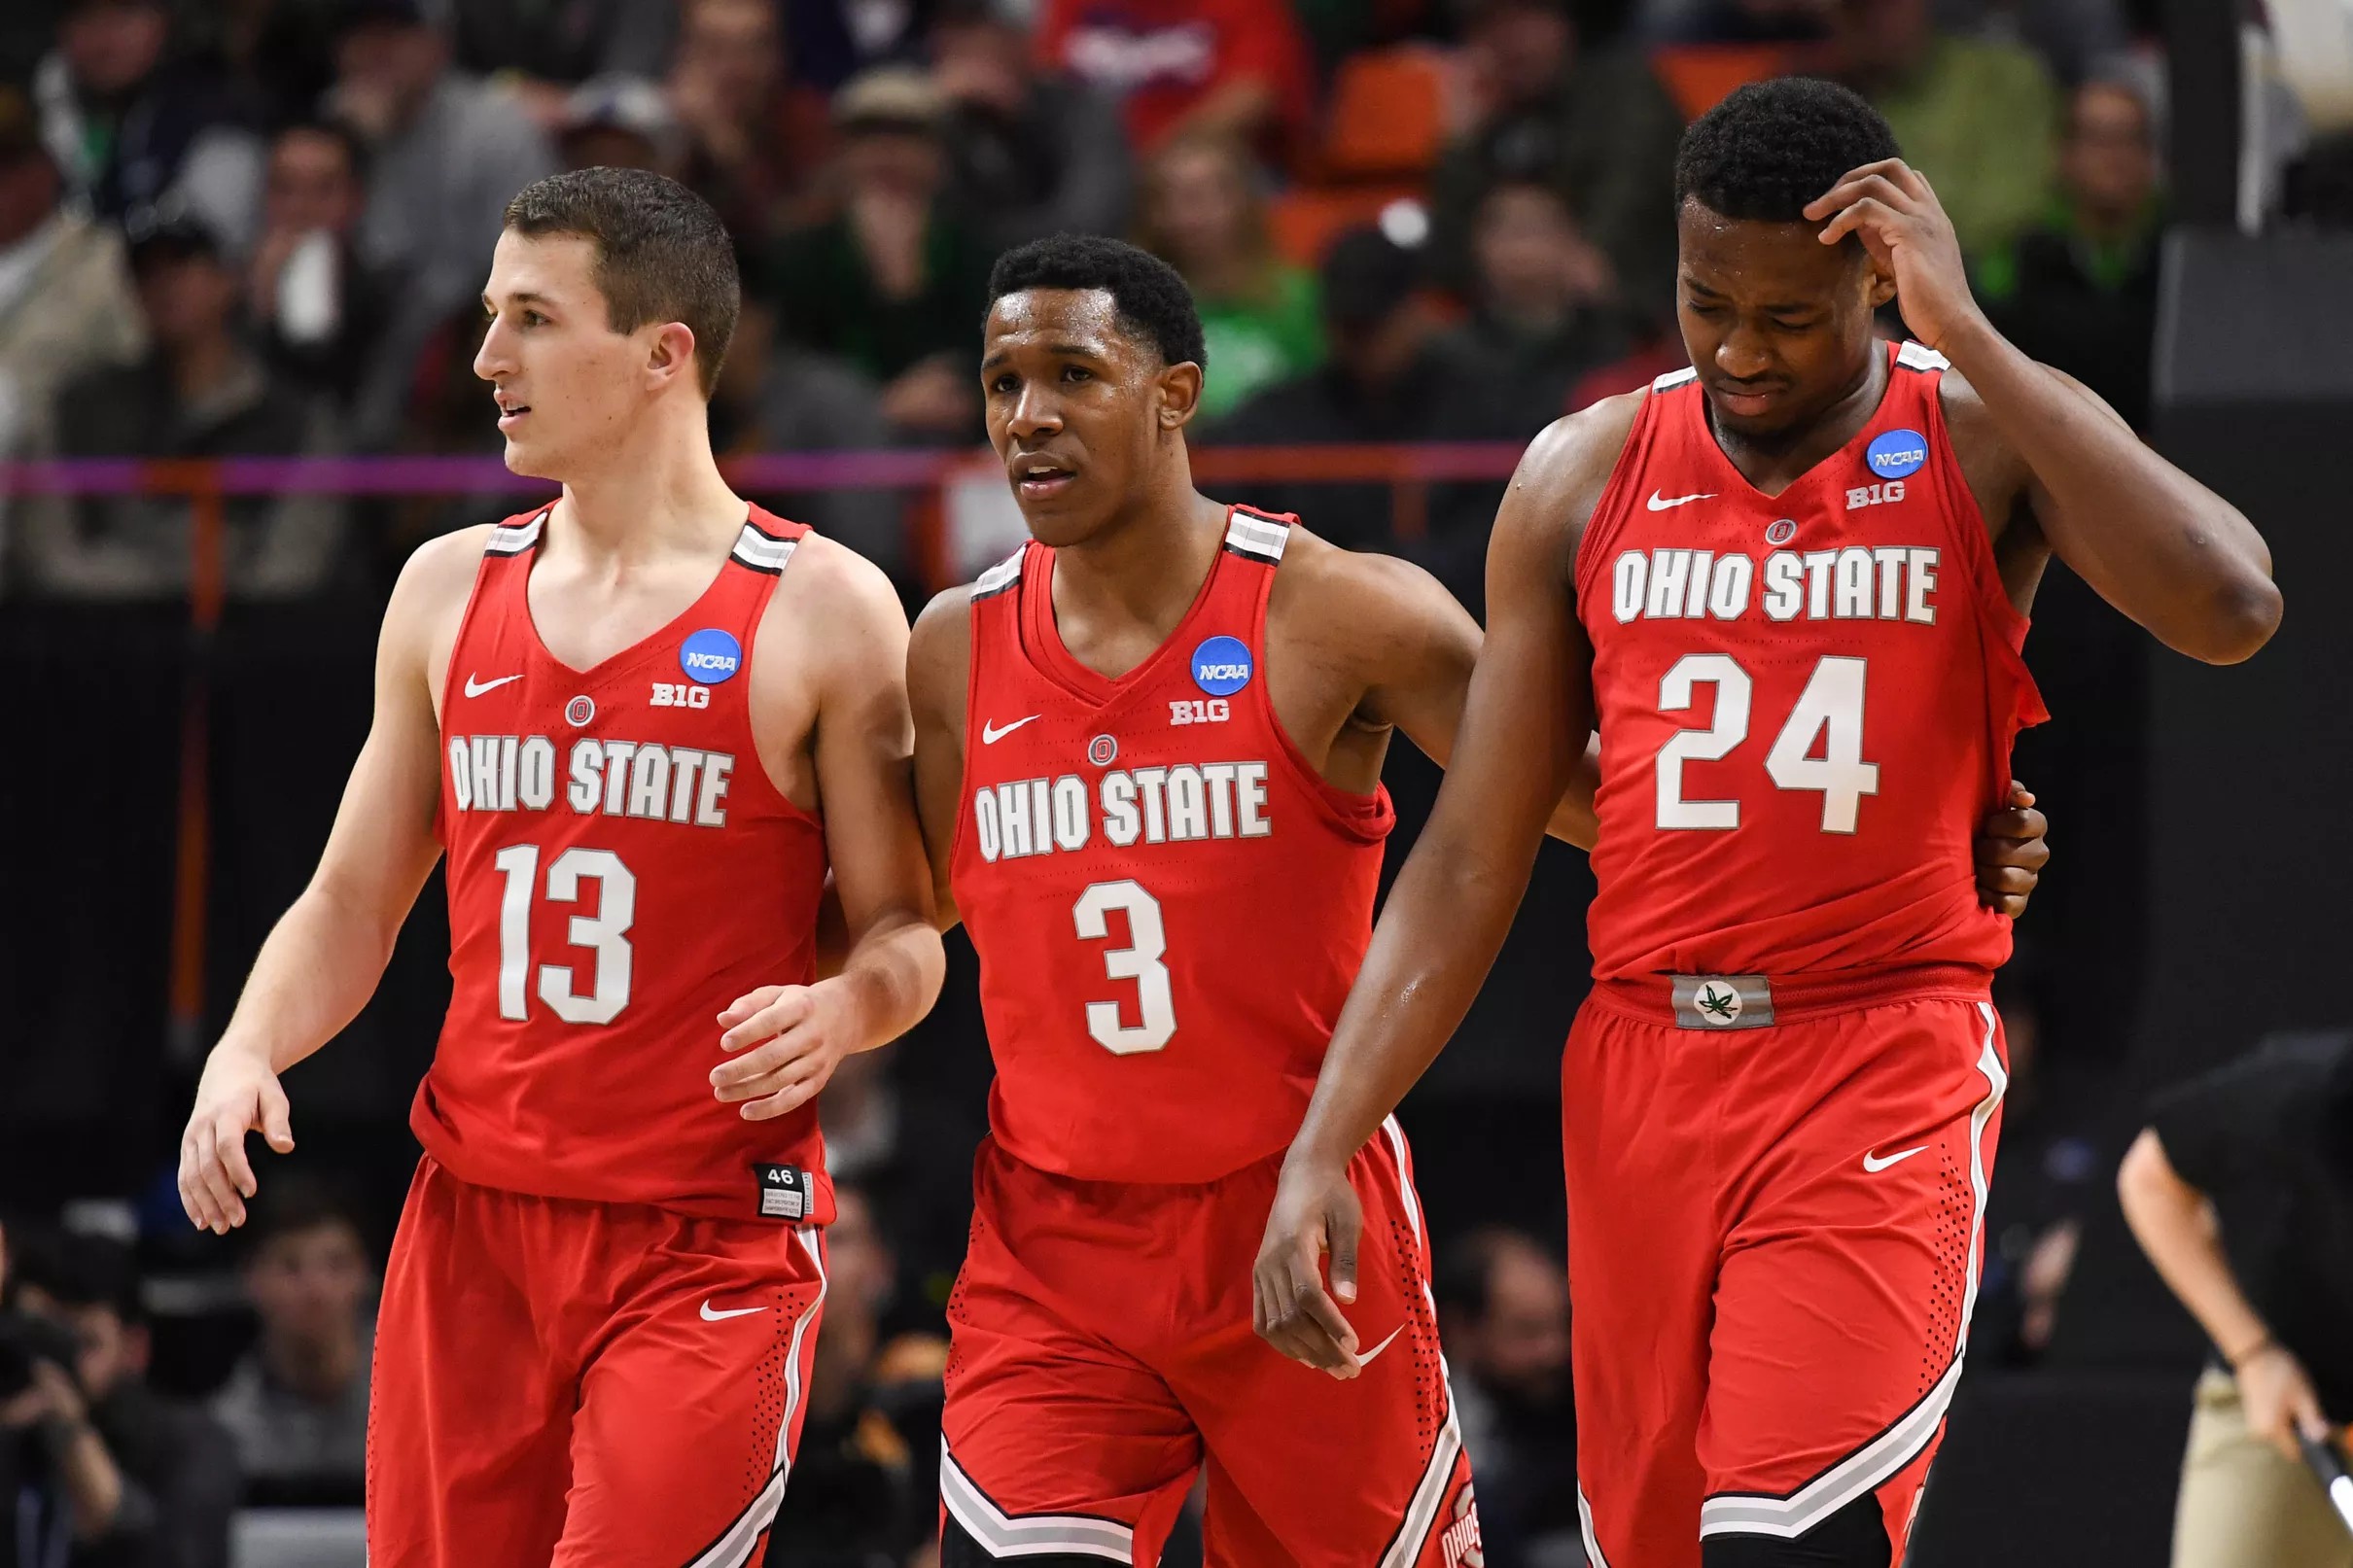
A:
[(1222, 666), (711, 656), (1897, 453)]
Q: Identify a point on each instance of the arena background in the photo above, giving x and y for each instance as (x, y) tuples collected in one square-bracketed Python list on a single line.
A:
[(177, 732)]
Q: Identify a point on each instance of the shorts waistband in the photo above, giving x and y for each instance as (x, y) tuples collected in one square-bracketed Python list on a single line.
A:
[(1760, 1001)]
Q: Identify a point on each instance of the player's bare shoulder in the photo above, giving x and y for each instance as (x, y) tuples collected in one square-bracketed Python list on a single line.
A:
[(428, 606), (940, 657), (1561, 478), (834, 623)]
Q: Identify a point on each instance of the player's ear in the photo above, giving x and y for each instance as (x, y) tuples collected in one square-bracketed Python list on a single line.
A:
[(1878, 281), (670, 354), (1180, 395)]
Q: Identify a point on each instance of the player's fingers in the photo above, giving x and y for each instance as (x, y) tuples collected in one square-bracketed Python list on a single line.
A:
[(1342, 1229), (277, 1119), (740, 1077), (1326, 1331), (213, 1173), (1857, 216), (2005, 881), (749, 1002), (786, 1093), (192, 1198), (770, 1021), (1892, 172), (233, 1158), (2020, 794)]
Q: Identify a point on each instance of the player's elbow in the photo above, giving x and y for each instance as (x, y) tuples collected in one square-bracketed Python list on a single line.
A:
[(2240, 617)]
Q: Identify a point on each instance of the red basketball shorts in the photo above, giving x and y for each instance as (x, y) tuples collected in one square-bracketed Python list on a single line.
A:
[(585, 1385), (1775, 1208), (1103, 1355)]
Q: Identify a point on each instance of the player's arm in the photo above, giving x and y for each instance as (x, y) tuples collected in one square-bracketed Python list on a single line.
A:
[(2150, 539), (324, 958), (1523, 727), (939, 659), (785, 1042)]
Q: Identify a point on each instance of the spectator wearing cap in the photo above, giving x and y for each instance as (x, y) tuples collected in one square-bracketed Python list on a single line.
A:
[(446, 151), (892, 284), (178, 1485), (1237, 68), (1031, 151), (622, 123), (1503, 1314), (199, 392), (1204, 213), (1542, 316), (65, 294), (296, 1404), (1593, 122), (139, 132), (317, 311), (1385, 381)]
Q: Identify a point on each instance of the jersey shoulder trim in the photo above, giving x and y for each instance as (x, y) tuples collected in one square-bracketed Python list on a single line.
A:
[(999, 577), (510, 539), (1673, 380), (1920, 357), (1260, 537), (761, 550)]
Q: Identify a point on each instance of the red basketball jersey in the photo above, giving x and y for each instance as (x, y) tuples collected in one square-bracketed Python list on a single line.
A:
[(620, 868), (1807, 701), (1168, 899)]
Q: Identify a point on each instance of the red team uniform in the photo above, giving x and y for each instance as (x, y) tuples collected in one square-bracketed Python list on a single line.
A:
[(1169, 904), (1782, 1101), (601, 1305)]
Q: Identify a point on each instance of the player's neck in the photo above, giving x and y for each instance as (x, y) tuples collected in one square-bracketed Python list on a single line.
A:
[(655, 492), (1775, 463), (1148, 562)]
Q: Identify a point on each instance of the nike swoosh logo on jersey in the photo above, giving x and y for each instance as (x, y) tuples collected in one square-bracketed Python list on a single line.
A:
[(1875, 1164), (1366, 1359), (990, 734), (712, 1316), (1658, 503), (475, 688)]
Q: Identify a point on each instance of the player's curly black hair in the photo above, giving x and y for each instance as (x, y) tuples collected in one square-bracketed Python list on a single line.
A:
[(1151, 300), (1771, 146)]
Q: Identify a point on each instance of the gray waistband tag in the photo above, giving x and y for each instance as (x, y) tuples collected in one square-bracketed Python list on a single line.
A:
[(1723, 1001)]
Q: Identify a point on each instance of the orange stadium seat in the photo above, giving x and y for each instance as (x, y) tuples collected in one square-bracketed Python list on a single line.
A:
[(1304, 220), (1698, 75), (1388, 115)]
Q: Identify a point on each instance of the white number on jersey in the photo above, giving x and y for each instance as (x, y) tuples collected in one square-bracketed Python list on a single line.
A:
[(1829, 714), (606, 933), (1138, 961)]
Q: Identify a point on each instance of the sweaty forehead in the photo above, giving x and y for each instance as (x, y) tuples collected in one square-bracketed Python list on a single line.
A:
[(1747, 257), (1083, 317)]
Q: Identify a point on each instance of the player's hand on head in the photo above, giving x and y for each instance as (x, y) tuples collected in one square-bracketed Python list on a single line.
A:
[(238, 1094), (783, 1043), (1313, 1214), (2011, 852), (1891, 208)]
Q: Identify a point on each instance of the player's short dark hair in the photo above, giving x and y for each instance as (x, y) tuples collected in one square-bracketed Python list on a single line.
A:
[(1150, 298), (662, 254), (1771, 146)]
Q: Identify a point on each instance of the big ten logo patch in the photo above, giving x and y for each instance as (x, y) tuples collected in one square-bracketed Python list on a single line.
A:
[(1873, 495), (666, 695), (1206, 711), (1459, 1541)]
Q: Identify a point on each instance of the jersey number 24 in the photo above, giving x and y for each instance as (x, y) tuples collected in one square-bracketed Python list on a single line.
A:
[(1829, 716)]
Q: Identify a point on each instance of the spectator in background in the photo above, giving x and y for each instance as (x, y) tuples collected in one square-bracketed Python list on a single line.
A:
[(1260, 316), (1031, 153), (446, 153), (316, 310), (198, 393), (835, 40), (1387, 380), (1978, 116), (296, 1404), (1234, 68), (65, 295), (1503, 1316), (55, 1471), (177, 1480), (619, 122), (911, 1155), (1542, 316), (138, 133), (801, 400), (540, 49), (892, 284), (2079, 289), (1594, 124), (755, 141)]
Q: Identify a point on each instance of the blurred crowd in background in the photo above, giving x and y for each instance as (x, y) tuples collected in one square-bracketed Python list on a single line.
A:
[(259, 227)]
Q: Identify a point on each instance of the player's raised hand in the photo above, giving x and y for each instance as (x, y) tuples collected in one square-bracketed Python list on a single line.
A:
[(786, 1040), (1891, 208), (2011, 852), (1315, 1214), (238, 1094)]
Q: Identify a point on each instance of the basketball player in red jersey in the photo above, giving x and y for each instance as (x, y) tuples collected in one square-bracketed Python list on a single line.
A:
[(1791, 583), (1148, 753), (642, 722)]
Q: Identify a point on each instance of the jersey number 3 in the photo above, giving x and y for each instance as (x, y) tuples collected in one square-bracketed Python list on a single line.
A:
[(604, 933), (1829, 715), (1140, 960)]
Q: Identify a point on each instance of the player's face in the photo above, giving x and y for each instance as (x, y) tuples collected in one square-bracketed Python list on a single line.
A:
[(567, 385), (1077, 407), (1776, 323)]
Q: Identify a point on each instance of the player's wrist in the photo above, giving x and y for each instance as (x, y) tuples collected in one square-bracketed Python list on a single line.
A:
[(2262, 1350)]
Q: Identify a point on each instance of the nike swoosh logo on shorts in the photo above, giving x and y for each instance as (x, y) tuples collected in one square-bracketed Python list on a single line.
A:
[(1875, 1164), (712, 1316), (1366, 1360), (475, 688), (990, 734), (1658, 503)]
